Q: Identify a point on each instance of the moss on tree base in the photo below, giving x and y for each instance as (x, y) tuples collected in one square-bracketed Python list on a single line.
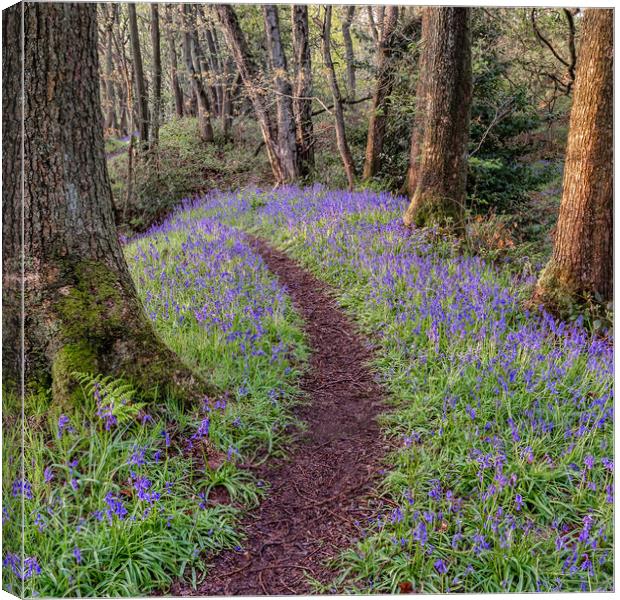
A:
[(428, 210), (101, 328)]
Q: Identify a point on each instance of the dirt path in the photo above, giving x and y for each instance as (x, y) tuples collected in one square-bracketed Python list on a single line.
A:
[(321, 490)]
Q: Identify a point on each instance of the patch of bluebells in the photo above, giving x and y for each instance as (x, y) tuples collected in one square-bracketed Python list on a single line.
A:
[(13, 562), (525, 406)]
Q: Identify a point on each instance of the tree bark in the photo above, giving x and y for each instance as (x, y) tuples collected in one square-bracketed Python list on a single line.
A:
[(203, 69), (381, 97), (111, 123), (287, 144), (155, 43), (202, 100), (439, 197), (81, 308), (347, 20), (217, 67), (254, 86), (142, 99), (174, 64), (341, 138), (582, 260), (302, 102)]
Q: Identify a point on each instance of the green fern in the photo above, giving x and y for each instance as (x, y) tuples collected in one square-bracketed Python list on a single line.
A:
[(117, 394)]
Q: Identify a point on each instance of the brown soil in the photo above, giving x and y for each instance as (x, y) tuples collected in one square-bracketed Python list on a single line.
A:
[(322, 489)]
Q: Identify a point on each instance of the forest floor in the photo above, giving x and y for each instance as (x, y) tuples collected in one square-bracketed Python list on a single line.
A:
[(318, 493), (470, 448)]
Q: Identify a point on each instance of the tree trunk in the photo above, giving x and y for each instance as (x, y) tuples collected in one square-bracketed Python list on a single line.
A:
[(202, 69), (287, 144), (439, 197), (250, 76), (111, 123), (582, 261), (381, 97), (174, 65), (227, 99), (81, 308), (341, 138), (155, 43), (202, 100), (302, 102), (349, 12), (417, 132), (142, 104), (216, 68)]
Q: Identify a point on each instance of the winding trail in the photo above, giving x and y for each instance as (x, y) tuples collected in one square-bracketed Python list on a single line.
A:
[(318, 493)]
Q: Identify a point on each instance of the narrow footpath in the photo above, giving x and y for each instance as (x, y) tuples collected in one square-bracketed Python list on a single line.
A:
[(319, 492)]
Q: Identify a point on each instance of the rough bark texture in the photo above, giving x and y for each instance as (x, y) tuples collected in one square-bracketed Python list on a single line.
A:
[(81, 309), (287, 144), (341, 138), (12, 199), (582, 261), (383, 89), (155, 45), (202, 100), (347, 20), (254, 86), (439, 196), (174, 64), (142, 99), (302, 102)]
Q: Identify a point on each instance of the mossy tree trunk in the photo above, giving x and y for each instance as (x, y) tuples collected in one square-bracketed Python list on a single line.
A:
[(439, 196), (582, 261), (81, 308)]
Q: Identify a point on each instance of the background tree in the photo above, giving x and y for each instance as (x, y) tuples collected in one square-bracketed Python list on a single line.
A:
[(174, 64), (439, 196), (287, 143), (254, 86), (193, 70), (156, 48), (341, 137), (302, 101), (81, 308), (348, 12), (582, 261), (381, 96), (141, 95)]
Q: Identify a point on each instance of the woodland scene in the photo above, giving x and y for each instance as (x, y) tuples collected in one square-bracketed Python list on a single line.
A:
[(306, 299)]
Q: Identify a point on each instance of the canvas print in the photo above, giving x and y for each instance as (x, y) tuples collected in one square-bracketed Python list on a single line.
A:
[(306, 299)]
